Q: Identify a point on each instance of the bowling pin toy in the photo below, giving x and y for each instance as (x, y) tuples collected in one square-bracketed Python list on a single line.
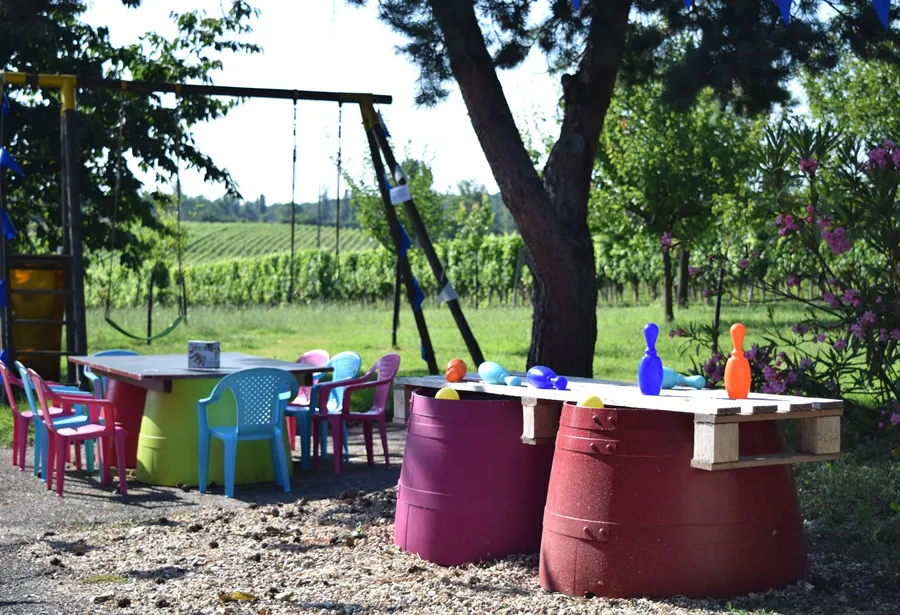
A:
[(541, 377), (492, 372), (650, 369), (671, 379), (737, 368)]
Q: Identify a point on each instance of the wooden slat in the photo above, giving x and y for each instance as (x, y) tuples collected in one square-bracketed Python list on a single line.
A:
[(402, 396), (540, 420), (771, 416), (762, 460), (820, 435), (715, 444)]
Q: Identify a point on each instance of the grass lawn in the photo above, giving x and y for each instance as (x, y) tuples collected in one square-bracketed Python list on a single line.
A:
[(504, 334)]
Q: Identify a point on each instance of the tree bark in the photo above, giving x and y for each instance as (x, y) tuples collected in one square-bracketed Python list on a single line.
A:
[(667, 286), (550, 209), (635, 290), (683, 277)]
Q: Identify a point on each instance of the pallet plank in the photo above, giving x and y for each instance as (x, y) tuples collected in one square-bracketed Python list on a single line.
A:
[(715, 443), (819, 436), (763, 460), (772, 416), (540, 420)]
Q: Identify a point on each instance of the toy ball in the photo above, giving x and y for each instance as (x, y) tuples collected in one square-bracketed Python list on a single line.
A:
[(590, 401), (456, 370), (513, 381), (492, 373), (447, 393)]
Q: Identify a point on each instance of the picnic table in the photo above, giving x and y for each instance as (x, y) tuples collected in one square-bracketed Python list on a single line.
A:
[(156, 396)]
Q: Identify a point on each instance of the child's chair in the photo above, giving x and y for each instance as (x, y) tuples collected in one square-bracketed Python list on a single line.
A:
[(345, 366), (98, 383), (317, 358), (21, 420), (260, 395), (59, 438), (386, 369)]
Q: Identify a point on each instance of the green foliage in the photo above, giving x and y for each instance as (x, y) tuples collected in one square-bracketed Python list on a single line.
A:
[(49, 37), (859, 96)]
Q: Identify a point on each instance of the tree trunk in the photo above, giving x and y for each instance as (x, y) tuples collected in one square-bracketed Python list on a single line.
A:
[(717, 314), (549, 209), (683, 277), (667, 286), (654, 290), (635, 290)]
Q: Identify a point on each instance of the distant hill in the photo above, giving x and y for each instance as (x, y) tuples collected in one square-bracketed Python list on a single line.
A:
[(209, 241)]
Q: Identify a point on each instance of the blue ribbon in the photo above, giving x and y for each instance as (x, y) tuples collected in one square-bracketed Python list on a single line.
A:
[(405, 241), (785, 7), (9, 231), (576, 4), (421, 349), (7, 161), (882, 8), (2, 295), (418, 296), (688, 3), (4, 109), (387, 182)]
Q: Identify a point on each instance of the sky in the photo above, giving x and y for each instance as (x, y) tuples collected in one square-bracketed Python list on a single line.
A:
[(321, 45)]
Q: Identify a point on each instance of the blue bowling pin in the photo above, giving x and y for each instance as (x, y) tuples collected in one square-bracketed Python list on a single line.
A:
[(650, 369)]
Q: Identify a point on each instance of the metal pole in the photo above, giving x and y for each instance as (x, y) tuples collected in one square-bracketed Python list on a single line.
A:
[(293, 207), (396, 307), (377, 131), (402, 260), (337, 217)]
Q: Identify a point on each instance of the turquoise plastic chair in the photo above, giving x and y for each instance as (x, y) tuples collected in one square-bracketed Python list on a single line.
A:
[(346, 367), (41, 450), (98, 383), (260, 396)]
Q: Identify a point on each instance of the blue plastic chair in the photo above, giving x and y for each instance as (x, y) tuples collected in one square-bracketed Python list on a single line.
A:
[(346, 367), (98, 383), (41, 450), (260, 396)]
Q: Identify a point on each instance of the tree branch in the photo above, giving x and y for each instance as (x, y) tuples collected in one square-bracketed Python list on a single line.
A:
[(586, 96)]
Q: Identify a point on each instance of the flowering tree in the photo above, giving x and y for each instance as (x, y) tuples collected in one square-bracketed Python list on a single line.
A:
[(835, 223)]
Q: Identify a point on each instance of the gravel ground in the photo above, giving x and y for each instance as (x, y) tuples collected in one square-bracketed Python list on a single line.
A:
[(327, 547)]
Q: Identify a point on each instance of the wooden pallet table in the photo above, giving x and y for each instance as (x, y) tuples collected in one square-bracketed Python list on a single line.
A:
[(717, 419)]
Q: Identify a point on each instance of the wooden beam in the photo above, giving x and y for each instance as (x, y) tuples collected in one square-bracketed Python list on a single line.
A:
[(776, 459), (771, 416), (819, 436), (540, 420), (402, 398), (715, 444)]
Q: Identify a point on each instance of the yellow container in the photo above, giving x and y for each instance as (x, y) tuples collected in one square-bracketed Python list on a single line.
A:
[(44, 307), (169, 440)]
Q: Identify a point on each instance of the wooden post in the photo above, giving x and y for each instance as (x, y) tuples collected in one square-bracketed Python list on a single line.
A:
[(396, 323), (819, 436), (421, 233), (540, 420), (715, 443), (76, 329), (150, 310), (370, 119)]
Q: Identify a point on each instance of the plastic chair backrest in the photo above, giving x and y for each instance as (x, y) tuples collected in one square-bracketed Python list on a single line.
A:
[(43, 394), (346, 367), (29, 388), (318, 358), (8, 381), (109, 353), (387, 368), (259, 396)]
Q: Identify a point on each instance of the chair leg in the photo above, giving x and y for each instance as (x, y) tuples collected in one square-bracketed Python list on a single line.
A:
[(291, 423), (77, 455), (346, 444), (38, 450), (15, 441), (367, 434), (120, 461), (60, 446), (382, 430), (303, 425), (89, 455), (316, 433), (106, 461), (230, 461), (273, 454), (22, 445), (48, 461), (281, 466), (337, 435), (323, 426), (203, 462)]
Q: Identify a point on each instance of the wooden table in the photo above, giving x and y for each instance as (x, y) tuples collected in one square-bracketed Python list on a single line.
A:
[(155, 397), (716, 417)]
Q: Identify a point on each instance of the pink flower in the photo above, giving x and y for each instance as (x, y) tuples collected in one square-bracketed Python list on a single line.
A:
[(879, 299), (809, 166), (695, 271), (833, 281), (881, 425), (878, 157), (868, 319), (743, 263), (666, 241), (883, 335), (805, 363), (895, 158), (810, 209), (755, 254), (888, 144), (895, 418), (779, 219), (830, 299), (857, 329), (837, 240), (820, 337), (840, 345), (751, 354), (849, 296), (895, 335), (793, 280), (705, 292), (676, 333)]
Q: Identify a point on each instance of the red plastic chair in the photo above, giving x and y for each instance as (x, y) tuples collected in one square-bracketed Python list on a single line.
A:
[(318, 358), (386, 370), (59, 439), (21, 420)]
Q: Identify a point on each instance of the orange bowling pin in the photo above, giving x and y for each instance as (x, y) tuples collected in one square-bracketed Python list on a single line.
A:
[(737, 369)]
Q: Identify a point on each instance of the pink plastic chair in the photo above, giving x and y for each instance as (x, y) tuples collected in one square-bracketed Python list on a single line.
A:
[(59, 439), (21, 420), (386, 369), (318, 358)]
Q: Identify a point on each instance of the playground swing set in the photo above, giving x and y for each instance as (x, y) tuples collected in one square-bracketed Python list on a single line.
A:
[(68, 264)]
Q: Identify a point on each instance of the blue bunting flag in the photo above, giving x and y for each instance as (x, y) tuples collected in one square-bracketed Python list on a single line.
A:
[(882, 8), (785, 7), (5, 107), (418, 296), (9, 231), (7, 161)]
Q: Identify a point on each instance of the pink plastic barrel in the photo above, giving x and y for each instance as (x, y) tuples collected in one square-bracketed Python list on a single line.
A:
[(469, 489)]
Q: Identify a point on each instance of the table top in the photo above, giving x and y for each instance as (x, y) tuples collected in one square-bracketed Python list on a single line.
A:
[(627, 395), (175, 366)]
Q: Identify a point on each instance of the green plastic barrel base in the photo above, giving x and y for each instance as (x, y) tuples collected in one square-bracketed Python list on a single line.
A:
[(169, 440)]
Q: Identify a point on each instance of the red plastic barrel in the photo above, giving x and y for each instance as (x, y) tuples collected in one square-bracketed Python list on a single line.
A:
[(128, 401), (469, 489), (627, 516)]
